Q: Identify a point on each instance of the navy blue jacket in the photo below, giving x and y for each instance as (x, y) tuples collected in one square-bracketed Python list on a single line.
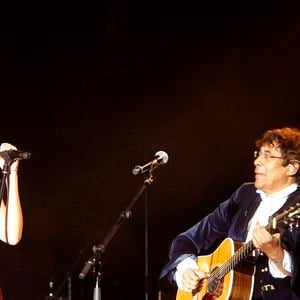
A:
[(230, 219)]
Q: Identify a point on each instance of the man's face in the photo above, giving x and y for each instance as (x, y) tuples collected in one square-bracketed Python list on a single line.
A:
[(270, 175)]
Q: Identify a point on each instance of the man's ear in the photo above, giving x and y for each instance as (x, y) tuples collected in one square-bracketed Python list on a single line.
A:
[(293, 168)]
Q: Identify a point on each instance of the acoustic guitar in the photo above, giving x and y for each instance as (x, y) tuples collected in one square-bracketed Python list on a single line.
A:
[(225, 265)]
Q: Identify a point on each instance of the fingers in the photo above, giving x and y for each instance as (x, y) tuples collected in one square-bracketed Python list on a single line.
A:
[(269, 244), (192, 279), (261, 236), (6, 146)]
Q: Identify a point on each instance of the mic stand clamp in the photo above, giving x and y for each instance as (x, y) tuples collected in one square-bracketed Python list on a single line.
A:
[(126, 214)]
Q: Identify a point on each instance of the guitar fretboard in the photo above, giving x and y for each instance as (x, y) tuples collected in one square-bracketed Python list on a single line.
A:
[(229, 265)]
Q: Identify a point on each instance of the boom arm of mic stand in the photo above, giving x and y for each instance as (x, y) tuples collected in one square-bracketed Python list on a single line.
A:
[(126, 214)]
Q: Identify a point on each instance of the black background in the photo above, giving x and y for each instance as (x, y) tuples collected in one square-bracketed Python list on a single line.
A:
[(91, 90)]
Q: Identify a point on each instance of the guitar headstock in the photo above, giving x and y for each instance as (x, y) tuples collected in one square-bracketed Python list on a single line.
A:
[(290, 218)]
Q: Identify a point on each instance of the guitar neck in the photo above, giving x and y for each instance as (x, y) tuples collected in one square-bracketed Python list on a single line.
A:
[(285, 218), (238, 256), (288, 215)]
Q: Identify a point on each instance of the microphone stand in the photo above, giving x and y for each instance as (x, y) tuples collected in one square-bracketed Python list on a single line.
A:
[(146, 248), (67, 280), (100, 248), (97, 289)]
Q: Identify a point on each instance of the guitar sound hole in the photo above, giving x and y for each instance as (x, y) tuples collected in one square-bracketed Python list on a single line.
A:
[(213, 284)]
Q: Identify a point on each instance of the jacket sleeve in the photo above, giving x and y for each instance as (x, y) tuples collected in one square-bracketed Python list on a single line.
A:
[(203, 237)]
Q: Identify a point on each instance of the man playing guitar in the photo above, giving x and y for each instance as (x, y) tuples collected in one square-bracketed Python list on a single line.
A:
[(243, 217)]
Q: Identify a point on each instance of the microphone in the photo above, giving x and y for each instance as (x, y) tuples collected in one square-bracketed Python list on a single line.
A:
[(161, 158), (15, 154)]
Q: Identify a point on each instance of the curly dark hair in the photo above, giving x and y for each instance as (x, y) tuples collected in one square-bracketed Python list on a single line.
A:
[(287, 139)]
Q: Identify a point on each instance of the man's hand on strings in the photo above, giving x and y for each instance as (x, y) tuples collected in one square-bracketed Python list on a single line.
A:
[(192, 279)]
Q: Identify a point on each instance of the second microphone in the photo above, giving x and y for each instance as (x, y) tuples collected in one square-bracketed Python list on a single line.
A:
[(161, 158)]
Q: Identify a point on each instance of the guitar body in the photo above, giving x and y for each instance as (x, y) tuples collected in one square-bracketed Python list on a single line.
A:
[(238, 283)]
